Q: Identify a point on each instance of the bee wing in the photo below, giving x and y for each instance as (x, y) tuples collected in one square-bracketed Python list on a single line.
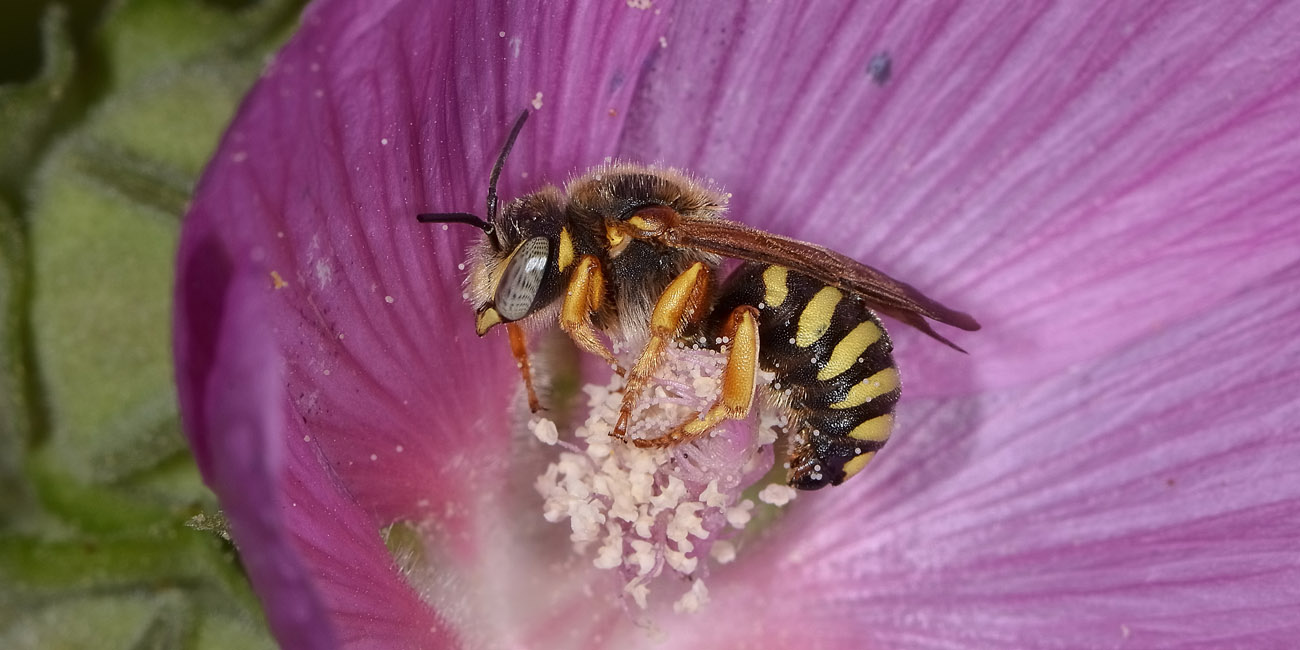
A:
[(883, 293)]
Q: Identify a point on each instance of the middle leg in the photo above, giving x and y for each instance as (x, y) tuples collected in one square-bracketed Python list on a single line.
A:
[(681, 304)]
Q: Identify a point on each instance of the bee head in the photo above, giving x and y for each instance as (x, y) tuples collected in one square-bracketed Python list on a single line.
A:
[(513, 269)]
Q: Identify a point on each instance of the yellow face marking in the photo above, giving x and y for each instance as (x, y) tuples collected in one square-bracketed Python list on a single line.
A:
[(856, 464), (487, 319), (816, 316), (870, 388), (874, 430), (849, 349), (566, 249), (774, 281)]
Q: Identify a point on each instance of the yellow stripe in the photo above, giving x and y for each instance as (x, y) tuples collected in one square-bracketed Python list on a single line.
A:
[(870, 388), (816, 316), (849, 349), (856, 464), (566, 249), (777, 289), (874, 430)]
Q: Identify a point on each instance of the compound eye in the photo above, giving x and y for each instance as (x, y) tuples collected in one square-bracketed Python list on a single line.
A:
[(522, 279)]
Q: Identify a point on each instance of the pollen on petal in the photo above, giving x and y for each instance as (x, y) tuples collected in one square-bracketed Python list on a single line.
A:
[(777, 495), (693, 600), (544, 430), (740, 514), (723, 551)]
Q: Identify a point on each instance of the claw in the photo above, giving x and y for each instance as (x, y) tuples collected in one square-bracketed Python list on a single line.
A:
[(677, 435), (620, 426)]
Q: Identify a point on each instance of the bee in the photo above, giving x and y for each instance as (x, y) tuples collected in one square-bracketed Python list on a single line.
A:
[(635, 252)]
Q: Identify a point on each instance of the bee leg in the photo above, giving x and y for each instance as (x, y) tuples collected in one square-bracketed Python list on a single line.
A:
[(520, 350), (738, 379), (681, 304), (584, 295)]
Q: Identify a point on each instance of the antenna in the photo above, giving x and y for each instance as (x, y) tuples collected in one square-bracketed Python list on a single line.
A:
[(501, 161), (473, 220), (454, 217)]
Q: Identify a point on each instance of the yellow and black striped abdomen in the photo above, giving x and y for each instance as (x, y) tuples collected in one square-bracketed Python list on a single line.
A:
[(833, 365)]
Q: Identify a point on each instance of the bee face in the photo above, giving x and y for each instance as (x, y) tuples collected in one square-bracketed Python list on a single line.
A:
[(515, 268)]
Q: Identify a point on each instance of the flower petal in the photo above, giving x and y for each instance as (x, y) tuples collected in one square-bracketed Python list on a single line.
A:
[(1149, 496), (367, 601), (229, 387), (1060, 171), (310, 550)]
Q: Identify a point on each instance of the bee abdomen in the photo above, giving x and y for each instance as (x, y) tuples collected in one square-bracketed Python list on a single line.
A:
[(833, 364)]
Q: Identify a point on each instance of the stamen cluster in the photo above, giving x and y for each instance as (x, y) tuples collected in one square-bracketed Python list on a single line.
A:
[(646, 512)]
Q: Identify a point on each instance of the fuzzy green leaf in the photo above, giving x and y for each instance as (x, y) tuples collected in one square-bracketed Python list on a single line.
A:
[(93, 451)]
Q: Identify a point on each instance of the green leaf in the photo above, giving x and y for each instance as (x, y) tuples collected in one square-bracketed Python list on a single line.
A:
[(145, 36), (38, 567), (114, 621), (94, 445), (15, 421), (166, 619), (31, 112), (165, 555), (104, 224), (221, 632)]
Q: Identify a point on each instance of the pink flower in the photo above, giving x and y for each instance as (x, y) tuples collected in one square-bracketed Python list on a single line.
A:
[(1112, 190)]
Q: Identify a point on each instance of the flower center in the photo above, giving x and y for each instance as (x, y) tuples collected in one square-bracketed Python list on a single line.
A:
[(648, 513)]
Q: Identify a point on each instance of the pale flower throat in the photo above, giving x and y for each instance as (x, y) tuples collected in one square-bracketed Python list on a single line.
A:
[(647, 513)]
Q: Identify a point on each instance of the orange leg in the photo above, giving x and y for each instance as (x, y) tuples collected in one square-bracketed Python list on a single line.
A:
[(737, 382), (520, 350), (583, 297), (681, 303)]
